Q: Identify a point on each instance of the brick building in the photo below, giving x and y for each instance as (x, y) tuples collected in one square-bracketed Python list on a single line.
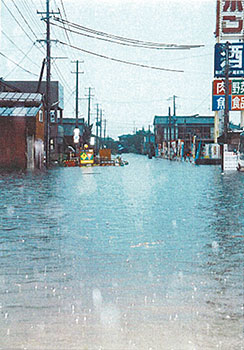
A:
[(22, 126)]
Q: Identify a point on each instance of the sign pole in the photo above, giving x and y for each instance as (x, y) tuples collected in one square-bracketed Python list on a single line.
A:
[(226, 115)]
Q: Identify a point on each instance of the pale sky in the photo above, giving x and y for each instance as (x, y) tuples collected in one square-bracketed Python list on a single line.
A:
[(130, 96)]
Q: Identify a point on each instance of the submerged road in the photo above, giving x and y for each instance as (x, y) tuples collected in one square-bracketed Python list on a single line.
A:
[(149, 256)]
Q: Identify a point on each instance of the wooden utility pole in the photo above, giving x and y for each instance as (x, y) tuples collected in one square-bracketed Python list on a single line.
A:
[(226, 113), (101, 120), (170, 133), (48, 79), (77, 92), (174, 106), (89, 105), (104, 130), (48, 83), (97, 124)]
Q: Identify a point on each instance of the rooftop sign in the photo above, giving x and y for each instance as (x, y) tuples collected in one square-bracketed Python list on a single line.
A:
[(230, 19)]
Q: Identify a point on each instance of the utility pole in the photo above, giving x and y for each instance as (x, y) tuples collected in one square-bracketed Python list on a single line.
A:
[(104, 130), (48, 60), (89, 105), (77, 92), (48, 79), (97, 123), (226, 112), (170, 133), (101, 119), (174, 106)]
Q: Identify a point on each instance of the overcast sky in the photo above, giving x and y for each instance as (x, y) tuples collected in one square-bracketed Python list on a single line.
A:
[(130, 96)]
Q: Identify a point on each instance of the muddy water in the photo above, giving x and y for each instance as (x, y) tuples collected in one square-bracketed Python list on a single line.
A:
[(147, 256)]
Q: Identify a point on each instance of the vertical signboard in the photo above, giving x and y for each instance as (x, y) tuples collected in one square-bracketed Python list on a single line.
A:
[(236, 95), (236, 60), (230, 16)]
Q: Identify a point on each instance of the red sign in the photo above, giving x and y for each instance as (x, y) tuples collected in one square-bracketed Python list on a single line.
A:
[(230, 19), (237, 103), (219, 87)]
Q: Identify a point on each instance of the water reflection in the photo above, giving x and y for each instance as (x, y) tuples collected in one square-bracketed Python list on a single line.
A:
[(148, 256)]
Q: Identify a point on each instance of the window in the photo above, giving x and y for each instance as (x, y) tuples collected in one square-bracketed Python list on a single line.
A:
[(41, 116)]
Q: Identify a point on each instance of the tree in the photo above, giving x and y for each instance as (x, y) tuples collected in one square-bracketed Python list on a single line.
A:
[(87, 131)]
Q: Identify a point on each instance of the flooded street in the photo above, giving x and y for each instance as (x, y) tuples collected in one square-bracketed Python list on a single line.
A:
[(149, 256)]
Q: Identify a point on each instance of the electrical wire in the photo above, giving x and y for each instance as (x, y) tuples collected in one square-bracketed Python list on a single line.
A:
[(17, 64), (124, 39), (22, 59), (19, 24), (31, 17), (121, 61), (116, 42), (12, 42), (3, 1), (205, 99), (23, 17), (61, 76)]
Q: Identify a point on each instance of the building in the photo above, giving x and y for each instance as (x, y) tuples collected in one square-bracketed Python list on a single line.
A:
[(22, 124), (56, 102), (173, 128), (66, 131)]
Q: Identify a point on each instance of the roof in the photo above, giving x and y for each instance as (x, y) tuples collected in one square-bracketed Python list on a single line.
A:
[(72, 121), (17, 99), (19, 111), (69, 125), (56, 90), (69, 129), (184, 120)]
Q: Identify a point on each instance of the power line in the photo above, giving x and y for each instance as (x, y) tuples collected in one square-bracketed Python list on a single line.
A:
[(60, 74), (115, 42), (124, 39), (18, 65), (32, 18), (25, 55), (121, 61), (19, 24), (66, 20), (3, 1), (22, 16), (12, 42)]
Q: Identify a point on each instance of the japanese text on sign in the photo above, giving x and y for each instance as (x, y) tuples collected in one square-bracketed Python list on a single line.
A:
[(230, 19), (237, 87), (236, 60), (219, 87)]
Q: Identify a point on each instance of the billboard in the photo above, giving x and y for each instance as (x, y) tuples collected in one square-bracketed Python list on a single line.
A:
[(236, 103), (230, 15), (236, 60), (219, 87), (219, 103), (236, 95)]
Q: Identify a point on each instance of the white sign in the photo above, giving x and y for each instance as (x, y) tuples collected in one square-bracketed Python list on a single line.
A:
[(230, 19), (76, 137), (230, 160)]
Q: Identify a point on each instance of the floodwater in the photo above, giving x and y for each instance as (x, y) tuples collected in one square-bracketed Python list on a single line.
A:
[(149, 256)]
